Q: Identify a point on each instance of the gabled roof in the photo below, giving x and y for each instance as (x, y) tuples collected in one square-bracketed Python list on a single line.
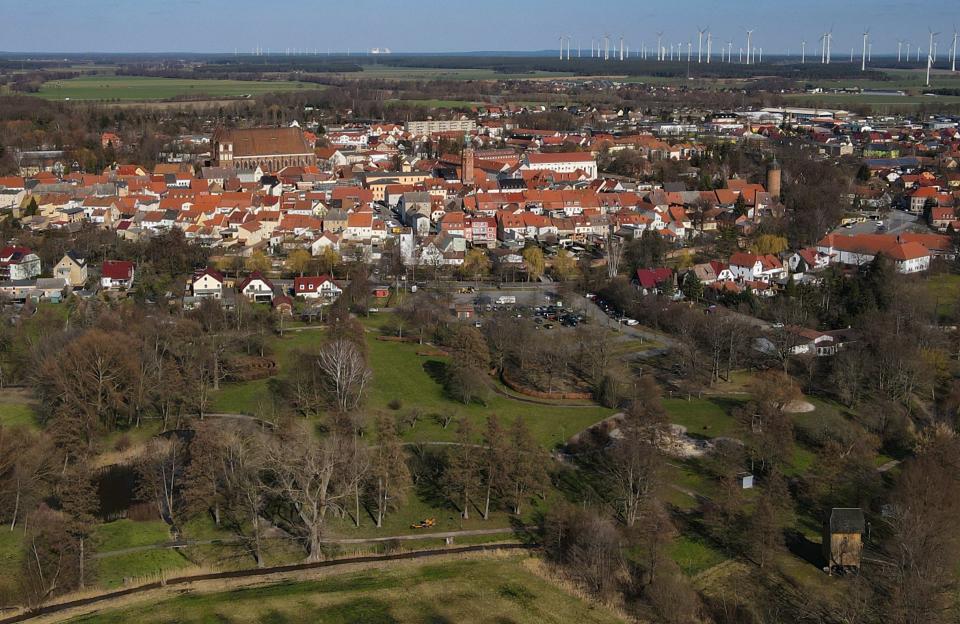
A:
[(117, 269), (256, 275), (847, 520), (651, 278)]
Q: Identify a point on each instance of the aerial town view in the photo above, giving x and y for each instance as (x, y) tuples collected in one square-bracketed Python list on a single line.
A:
[(380, 312)]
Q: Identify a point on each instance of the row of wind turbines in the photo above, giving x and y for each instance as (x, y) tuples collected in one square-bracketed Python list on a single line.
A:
[(600, 48)]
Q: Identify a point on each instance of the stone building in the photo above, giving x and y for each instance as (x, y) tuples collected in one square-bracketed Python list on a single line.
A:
[(271, 149)]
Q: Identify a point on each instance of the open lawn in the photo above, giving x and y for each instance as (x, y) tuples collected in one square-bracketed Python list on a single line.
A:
[(694, 554), (144, 88), (11, 551), (400, 374), (121, 534), (16, 414), (704, 418), (471, 590), (945, 290)]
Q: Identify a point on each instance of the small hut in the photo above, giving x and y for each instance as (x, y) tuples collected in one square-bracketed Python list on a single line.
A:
[(843, 539)]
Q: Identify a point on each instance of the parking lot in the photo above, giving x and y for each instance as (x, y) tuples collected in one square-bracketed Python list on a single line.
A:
[(893, 222)]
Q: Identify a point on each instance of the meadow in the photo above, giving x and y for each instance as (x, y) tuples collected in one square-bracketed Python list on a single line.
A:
[(499, 589)]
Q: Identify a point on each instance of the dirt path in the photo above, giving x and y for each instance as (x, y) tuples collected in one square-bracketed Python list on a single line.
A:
[(186, 543)]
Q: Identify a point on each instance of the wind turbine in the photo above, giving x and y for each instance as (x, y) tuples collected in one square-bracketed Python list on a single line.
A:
[(829, 41), (930, 55), (659, 48), (689, 51), (606, 47), (953, 59), (621, 47), (749, 38), (561, 47), (908, 51), (710, 45), (899, 49), (700, 32), (863, 59), (729, 51), (803, 52)]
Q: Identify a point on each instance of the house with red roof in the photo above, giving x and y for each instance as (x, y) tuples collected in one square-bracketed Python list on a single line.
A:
[(318, 287), (207, 284), (650, 281), (256, 288), (941, 217), (856, 250), (18, 263), (561, 162), (755, 267), (116, 274)]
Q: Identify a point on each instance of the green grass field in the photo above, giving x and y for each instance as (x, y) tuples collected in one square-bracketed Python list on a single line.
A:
[(399, 373), (142, 88), (945, 290), (16, 414), (11, 553), (122, 534), (879, 102), (475, 590), (432, 73), (705, 418), (694, 554)]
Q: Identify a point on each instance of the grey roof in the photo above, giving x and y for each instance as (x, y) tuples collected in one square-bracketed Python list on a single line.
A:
[(51, 283), (76, 257), (846, 520)]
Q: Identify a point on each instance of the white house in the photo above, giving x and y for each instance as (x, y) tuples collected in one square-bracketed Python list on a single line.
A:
[(257, 288), (207, 284), (321, 287), (755, 267)]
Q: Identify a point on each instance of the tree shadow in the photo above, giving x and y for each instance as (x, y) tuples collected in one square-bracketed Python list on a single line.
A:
[(436, 370), (800, 546)]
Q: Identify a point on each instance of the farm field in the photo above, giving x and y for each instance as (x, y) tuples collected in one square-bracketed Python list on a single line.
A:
[(133, 88), (470, 590), (434, 73), (879, 102)]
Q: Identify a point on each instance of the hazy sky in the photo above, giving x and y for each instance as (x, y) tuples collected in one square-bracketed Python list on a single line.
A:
[(454, 25)]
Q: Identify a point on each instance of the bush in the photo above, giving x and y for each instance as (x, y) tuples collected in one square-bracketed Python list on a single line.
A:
[(395, 404)]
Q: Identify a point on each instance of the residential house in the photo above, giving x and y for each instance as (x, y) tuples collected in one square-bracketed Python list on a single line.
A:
[(256, 288), (18, 263), (319, 287), (651, 281), (860, 249), (116, 274), (756, 267), (72, 268), (207, 284)]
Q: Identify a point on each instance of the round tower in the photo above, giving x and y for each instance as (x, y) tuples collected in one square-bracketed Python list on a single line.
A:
[(773, 179)]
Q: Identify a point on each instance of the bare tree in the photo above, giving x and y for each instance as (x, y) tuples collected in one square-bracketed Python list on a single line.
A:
[(306, 474), (161, 468), (345, 372), (389, 475)]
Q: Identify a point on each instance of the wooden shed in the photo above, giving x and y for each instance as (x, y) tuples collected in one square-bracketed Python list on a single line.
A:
[(843, 539)]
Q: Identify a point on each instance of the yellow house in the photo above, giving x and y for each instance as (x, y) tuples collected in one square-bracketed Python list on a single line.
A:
[(72, 269)]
